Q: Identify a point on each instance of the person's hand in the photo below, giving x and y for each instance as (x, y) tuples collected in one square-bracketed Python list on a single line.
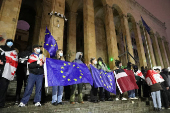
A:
[(1, 62), (41, 63), (167, 88)]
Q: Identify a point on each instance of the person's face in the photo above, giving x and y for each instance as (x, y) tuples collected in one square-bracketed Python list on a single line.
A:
[(157, 71), (94, 61), (120, 65), (60, 52), (35, 49)]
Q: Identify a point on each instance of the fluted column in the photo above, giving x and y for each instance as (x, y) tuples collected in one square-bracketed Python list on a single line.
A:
[(71, 41), (167, 50), (56, 23), (128, 37), (139, 43), (9, 14), (158, 56), (111, 36), (89, 30), (150, 49), (163, 52)]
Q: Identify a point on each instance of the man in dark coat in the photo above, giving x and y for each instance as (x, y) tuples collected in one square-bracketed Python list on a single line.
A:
[(22, 71), (165, 86), (3, 81)]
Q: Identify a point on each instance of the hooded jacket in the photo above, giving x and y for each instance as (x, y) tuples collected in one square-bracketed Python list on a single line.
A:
[(2, 54), (164, 84), (78, 59), (103, 66)]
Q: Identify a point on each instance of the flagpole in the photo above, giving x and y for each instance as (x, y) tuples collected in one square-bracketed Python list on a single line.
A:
[(147, 45)]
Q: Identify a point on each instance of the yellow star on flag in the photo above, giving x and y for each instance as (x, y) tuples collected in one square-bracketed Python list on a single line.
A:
[(69, 80), (102, 80), (107, 87), (62, 67), (73, 65), (110, 79), (110, 83), (51, 45), (47, 44), (104, 84), (105, 73), (100, 77), (64, 76), (77, 67), (110, 86), (109, 76), (75, 79), (46, 33), (64, 64), (100, 73), (69, 64), (61, 71), (81, 73), (80, 77), (55, 45)]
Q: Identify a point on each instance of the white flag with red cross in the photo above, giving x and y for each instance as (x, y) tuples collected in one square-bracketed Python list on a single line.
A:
[(139, 73), (10, 65)]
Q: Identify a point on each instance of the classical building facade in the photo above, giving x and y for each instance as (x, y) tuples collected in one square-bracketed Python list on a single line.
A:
[(98, 28)]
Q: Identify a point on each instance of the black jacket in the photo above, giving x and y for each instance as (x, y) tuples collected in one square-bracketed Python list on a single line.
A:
[(35, 68), (165, 83), (2, 54)]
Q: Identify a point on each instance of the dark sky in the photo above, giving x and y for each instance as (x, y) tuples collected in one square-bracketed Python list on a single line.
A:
[(160, 9)]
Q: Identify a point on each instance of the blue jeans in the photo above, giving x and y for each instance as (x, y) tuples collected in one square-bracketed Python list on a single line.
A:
[(57, 94), (32, 79), (156, 97), (131, 93)]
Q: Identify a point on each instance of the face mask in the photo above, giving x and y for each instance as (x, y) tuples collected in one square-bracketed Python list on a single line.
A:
[(100, 63), (38, 50), (61, 54), (9, 44), (80, 56), (95, 62)]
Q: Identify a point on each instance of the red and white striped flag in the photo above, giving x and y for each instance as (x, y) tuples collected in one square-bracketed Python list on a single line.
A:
[(139, 73), (10, 65), (124, 82), (152, 77)]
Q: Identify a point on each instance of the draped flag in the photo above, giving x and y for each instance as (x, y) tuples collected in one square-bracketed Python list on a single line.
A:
[(148, 29), (152, 77), (50, 43), (103, 79), (62, 73), (10, 65), (139, 73), (124, 82)]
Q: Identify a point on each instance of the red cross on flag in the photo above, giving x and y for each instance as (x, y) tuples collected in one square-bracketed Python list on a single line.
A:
[(139, 73), (10, 65)]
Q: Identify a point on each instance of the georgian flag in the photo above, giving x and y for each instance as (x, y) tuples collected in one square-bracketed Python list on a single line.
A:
[(139, 73), (34, 58), (152, 77), (123, 81), (10, 65)]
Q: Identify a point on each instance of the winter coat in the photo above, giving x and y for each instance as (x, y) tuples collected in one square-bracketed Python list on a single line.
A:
[(155, 87), (77, 59), (35, 68), (103, 67), (165, 83)]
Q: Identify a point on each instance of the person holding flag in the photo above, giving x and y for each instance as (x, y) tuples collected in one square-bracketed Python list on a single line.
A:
[(36, 73), (57, 91), (153, 79), (8, 65)]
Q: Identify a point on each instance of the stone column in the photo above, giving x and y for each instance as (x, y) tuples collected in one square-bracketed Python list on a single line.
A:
[(89, 30), (56, 23), (151, 54), (9, 14), (71, 40), (139, 44), (111, 36), (128, 38), (167, 50), (163, 52), (158, 56), (45, 22)]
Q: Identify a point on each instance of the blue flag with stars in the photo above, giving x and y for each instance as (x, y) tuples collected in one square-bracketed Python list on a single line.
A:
[(62, 73), (50, 43), (103, 79), (148, 29)]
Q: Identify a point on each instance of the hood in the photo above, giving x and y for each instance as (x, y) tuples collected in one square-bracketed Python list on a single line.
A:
[(165, 71), (135, 67), (78, 54), (117, 62)]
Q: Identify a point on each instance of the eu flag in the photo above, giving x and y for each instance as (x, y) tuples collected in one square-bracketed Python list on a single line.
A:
[(62, 73), (146, 26), (50, 43), (104, 79)]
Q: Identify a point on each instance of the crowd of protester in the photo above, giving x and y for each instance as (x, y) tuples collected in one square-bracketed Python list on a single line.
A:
[(159, 92)]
